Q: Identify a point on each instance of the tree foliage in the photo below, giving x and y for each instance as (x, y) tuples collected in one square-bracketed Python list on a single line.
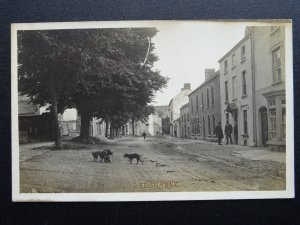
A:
[(100, 72)]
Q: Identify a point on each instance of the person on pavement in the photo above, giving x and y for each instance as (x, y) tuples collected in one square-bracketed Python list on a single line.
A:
[(144, 135), (219, 133), (228, 132)]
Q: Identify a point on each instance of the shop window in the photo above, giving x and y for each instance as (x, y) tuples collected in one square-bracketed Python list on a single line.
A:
[(273, 129)]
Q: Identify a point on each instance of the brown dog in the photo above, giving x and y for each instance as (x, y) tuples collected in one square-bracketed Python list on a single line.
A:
[(103, 155), (134, 156)]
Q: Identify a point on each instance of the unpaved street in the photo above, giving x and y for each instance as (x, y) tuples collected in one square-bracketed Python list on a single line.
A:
[(169, 165)]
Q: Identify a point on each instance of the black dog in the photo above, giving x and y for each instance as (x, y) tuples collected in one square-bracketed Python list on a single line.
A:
[(103, 155), (134, 156)]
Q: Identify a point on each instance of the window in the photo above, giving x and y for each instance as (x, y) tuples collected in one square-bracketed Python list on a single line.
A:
[(226, 91), (214, 124), (184, 118), (188, 130), (276, 65), (198, 126), (233, 60), (273, 128), (197, 103), (188, 117), (207, 96), (212, 95), (208, 123), (244, 85), (283, 121), (233, 87), (243, 53), (192, 105), (202, 100), (245, 122), (225, 66)]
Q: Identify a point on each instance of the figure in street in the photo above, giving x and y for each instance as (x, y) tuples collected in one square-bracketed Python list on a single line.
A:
[(219, 133), (228, 132), (144, 135)]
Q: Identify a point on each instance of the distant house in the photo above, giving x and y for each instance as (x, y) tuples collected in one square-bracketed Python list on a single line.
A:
[(204, 107), (174, 109), (184, 121), (33, 126)]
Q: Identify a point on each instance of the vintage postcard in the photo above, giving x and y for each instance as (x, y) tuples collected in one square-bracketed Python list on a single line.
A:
[(152, 110)]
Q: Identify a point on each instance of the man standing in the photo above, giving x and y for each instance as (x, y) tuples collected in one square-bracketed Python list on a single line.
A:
[(144, 135), (219, 133), (228, 132)]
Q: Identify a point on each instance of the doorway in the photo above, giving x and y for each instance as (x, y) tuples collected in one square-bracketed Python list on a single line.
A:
[(203, 123), (235, 127), (264, 125)]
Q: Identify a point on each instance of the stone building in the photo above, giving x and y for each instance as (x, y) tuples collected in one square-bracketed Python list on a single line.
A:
[(204, 107), (185, 121), (269, 74), (174, 109), (33, 125), (237, 90), (252, 85)]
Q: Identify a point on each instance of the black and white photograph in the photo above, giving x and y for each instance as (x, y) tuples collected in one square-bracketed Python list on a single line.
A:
[(152, 110)]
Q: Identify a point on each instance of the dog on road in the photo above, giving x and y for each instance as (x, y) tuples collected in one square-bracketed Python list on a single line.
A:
[(103, 155), (134, 156)]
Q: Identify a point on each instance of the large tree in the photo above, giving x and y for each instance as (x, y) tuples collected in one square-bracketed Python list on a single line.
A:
[(46, 72), (101, 72)]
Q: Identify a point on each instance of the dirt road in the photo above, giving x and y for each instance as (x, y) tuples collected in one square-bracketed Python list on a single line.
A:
[(168, 166)]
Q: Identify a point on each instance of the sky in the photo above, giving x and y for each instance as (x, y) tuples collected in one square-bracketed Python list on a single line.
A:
[(185, 49)]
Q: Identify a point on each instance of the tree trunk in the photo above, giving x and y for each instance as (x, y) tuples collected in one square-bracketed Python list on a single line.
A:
[(57, 137), (85, 125), (132, 125), (106, 127), (111, 135)]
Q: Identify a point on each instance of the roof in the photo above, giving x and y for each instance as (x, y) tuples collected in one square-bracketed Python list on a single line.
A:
[(234, 47), (217, 73), (185, 105)]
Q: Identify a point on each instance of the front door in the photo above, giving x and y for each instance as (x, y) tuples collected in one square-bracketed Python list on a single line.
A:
[(203, 123), (235, 127), (264, 125)]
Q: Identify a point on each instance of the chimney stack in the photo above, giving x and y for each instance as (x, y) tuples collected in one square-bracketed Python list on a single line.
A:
[(186, 86), (208, 73)]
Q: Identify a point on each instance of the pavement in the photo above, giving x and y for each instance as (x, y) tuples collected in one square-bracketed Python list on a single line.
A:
[(253, 153), (170, 164)]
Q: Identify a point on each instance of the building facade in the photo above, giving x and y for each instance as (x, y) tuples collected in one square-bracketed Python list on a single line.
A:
[(204, 107), (33, 125), (185, 121), (174, 109), (252, 85), (269, 56)]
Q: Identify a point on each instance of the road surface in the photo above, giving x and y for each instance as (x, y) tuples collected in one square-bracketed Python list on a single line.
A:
[(169, 165)]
